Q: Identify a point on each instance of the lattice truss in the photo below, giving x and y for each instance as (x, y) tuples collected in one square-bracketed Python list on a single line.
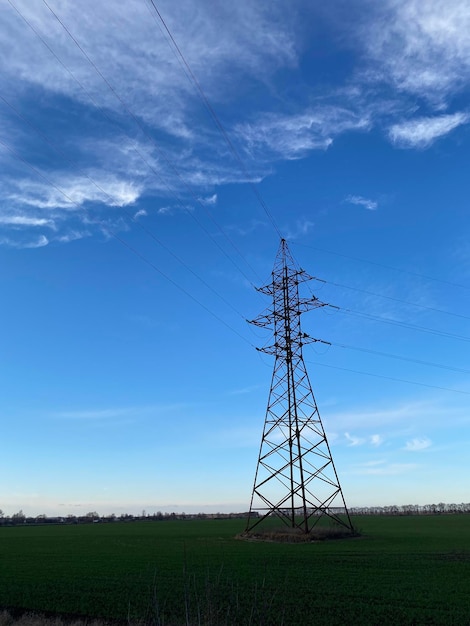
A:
[(295, 479)]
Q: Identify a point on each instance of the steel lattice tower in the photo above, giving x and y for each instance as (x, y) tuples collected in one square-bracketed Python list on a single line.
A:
[(295, 479)]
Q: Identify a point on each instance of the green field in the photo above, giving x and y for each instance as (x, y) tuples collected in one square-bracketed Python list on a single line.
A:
[(403, 570)]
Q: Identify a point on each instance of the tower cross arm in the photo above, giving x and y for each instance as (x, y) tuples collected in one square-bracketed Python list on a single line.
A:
[(266, 319), (307, 304), (267, 290), (305, 338)]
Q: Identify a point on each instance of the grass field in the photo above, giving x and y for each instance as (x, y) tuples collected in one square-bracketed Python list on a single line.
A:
[(403, 570)]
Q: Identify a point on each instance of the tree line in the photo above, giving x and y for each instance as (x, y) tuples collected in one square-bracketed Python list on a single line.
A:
[(413, 509), (19, 518), (93, 517)]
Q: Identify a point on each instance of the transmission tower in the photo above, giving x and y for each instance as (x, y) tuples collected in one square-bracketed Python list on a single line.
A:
[(295, 478)]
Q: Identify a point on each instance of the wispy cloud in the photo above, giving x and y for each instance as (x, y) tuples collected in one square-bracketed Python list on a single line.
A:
[(243, 390), (38, 242), (23, 220), (275, 135), (99, 414), (382, 468), (69, 191), (140, 213), (146, 137), (373, 440), (354, 441), (395, 415), (115, 412), (371, 205), (421, 47), (422, 132), (248, 227), (151, 103), (238, 37), (73, 235), (417, 444), (301, 227), (209, 200)]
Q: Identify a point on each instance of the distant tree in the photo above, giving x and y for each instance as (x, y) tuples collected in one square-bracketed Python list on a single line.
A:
[(1, 514), (19, 517)]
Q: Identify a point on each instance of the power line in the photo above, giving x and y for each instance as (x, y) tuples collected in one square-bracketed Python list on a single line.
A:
[(159, 150), (125, 244), (216, 120), (389, 267), (182, 289), (380, 295), (401, 358), (187, 267), (384, 320), (399, 380), (46, 139), (140, 126)]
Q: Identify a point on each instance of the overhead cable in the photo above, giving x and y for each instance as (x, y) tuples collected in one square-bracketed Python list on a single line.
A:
[(46, 139), (125, 244), (389, 267), (381, 295), (217, 121), (401, 358), (159, 150), (399, 380), (384, 320)]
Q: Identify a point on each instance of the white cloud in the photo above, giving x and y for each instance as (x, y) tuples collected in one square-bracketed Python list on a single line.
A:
[(293, 136), (354, 441), (371, 205), (23, 220), (416, 444), (247, 228), (236, 38), (244, 390), (69, 191), (302, 227), (73, 235), (422, 132), (155, 142), (374, 440), (140, 213), (165, 210), (209, 200), (39, 242), (421, 47), (381, 468), (368, 419), (109, 413)]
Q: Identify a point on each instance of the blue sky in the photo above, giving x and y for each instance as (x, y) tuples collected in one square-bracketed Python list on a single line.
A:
[(131, 239)]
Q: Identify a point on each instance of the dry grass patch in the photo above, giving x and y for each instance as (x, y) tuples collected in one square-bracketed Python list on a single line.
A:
[(296, 535), (32, 619)]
